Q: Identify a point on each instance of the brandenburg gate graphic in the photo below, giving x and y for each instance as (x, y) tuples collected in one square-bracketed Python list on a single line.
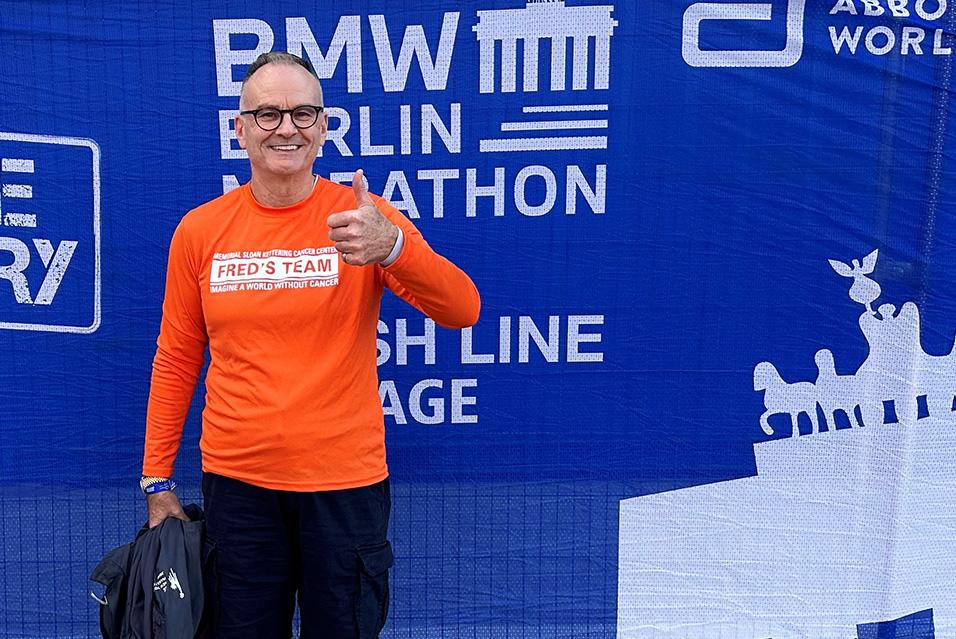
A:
[(545, 20)]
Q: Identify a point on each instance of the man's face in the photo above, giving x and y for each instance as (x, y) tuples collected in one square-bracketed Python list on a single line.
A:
[(286, 150)]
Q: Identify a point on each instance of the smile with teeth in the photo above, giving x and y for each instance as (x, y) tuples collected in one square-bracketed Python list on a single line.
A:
[(286, 147)]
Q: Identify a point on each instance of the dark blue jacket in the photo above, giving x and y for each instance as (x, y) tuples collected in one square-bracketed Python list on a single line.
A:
[(154, 585)]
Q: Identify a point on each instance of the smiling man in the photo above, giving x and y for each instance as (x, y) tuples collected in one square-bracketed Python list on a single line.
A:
[(282, 279)]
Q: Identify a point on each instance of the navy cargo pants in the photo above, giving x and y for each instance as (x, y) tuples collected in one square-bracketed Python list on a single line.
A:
[(265, 548)]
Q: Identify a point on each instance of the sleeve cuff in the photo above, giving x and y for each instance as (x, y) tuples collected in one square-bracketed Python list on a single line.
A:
[(396, 250)]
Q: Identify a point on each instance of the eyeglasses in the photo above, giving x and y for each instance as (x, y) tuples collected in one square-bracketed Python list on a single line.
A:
[(269, 118)]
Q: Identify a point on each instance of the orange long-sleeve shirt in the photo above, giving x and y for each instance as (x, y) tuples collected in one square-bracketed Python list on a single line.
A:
[(292, 389)]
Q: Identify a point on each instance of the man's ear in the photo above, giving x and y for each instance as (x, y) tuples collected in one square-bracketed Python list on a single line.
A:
[(240, 132), (323, 125)]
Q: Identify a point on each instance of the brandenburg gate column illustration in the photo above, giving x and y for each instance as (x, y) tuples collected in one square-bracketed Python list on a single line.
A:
[(540, 20)]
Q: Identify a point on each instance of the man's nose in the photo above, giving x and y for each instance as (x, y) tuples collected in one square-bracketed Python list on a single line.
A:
[(286, 128)]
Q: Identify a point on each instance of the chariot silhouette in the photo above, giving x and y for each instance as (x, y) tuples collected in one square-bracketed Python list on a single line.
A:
[(895, 379)]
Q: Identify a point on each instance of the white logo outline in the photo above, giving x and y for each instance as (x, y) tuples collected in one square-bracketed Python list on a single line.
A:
[(97, 279), (702, 11), (570, 31)]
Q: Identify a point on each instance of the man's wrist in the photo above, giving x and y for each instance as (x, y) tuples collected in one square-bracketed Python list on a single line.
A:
[(396, 250), (151, 485)]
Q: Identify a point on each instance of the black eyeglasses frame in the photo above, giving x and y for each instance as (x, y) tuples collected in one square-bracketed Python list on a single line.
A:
[(282, 112)]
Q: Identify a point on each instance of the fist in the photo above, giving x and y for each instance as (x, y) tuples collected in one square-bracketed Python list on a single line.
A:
[(362, 235)]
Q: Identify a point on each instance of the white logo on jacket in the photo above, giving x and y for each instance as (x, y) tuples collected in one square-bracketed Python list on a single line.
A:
[(166, 582)]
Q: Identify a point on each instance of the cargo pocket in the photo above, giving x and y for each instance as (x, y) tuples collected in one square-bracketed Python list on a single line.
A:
[(371, 608)]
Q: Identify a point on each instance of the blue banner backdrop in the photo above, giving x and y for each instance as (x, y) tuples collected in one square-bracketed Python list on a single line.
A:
[(669, 208)]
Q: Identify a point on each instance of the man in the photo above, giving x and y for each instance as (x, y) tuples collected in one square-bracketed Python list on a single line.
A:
[(282, 278)]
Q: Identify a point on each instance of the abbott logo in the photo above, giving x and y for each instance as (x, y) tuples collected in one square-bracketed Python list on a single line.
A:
[(703, 11), (49, 233)]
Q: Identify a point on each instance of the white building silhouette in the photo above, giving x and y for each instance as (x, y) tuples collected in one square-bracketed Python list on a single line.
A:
[(545, 20), (838, 528)]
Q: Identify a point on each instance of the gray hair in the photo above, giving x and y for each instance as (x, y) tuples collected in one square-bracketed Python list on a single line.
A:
[(281, 57)]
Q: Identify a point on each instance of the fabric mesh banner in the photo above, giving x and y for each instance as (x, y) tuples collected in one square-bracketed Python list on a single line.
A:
[(710, 393)]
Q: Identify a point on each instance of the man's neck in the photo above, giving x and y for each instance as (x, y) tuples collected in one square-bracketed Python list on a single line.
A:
[(285, 191)]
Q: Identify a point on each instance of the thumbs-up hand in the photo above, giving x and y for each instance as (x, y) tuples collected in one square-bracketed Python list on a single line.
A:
[(362, 235)]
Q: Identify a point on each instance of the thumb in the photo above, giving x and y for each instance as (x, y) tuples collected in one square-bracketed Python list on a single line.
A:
[(362, 197)]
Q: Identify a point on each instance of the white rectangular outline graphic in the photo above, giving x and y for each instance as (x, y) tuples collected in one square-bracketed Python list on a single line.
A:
[(95, 149)]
